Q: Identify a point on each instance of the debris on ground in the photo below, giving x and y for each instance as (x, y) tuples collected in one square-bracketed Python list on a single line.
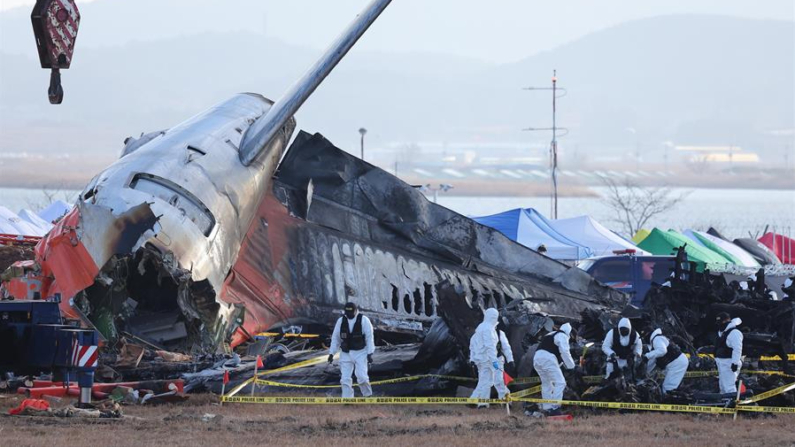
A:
[(38, 407)]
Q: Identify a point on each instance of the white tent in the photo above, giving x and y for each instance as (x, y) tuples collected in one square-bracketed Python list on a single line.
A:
[(33, 219), (589, 233), (741, 255), (10, 223), (55, 211)]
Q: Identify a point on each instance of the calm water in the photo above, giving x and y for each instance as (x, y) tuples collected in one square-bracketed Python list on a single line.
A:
[(735, 212)]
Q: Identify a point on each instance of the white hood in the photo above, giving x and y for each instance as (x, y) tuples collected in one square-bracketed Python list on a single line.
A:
[(627, 324), (732, 324), (491, 316), (566, 329), (656, 332)]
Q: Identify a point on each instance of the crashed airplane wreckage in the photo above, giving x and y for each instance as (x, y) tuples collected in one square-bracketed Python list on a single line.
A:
[(179, 268), (194, 240)]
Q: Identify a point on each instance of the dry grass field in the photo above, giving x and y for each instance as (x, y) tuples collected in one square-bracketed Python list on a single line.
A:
[(326, 426)]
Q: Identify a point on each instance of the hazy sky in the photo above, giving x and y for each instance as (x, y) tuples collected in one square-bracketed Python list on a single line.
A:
[(496, 31)]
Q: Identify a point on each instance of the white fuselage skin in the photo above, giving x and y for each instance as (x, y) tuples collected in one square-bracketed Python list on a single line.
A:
[(218, 180)]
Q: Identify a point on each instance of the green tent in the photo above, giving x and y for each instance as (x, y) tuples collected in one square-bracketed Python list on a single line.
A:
[(730, 258), (665, 243)]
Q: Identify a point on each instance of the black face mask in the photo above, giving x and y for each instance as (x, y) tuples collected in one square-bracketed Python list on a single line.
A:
[(624, 331), (350, 314)]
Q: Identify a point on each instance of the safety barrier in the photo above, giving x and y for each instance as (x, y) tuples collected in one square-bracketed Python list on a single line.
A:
[(517, 396)]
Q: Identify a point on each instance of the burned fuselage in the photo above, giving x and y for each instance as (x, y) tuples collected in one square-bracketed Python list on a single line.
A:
[(336, 229), (328, 229)]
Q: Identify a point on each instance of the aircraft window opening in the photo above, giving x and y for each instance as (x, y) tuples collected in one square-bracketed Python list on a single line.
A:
[(395, 299), (428, 299), (417, 302), (477, 298)]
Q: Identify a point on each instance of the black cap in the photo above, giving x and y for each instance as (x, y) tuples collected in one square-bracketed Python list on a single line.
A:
[(350, 306), (722, 316)]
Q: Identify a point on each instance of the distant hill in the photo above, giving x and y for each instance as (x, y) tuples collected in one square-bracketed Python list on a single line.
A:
[(686, 79)]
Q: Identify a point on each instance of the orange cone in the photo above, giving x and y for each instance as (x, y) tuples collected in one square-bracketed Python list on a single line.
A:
[(259, 362)]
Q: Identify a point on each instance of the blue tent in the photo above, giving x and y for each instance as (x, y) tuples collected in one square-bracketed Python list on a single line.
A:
[(531, 229)]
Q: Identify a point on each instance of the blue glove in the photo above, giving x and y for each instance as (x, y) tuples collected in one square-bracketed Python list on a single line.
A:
[(496, 365)]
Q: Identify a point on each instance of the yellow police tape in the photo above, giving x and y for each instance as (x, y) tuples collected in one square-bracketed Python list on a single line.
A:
[(361, 400), (517, 381), (288, 335), (764, 358), (524, 393), (519, 396), (288, 400), (769, 394), (753, 408), (377, 382), (310, 362), (633, 406)]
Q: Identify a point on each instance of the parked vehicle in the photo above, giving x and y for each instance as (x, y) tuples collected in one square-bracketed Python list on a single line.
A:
[(629, 273)]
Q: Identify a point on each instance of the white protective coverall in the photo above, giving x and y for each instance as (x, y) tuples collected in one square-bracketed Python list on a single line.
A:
[(674, 371), (607, 346), (727, 378), (483, 352), (546, 365), (357, 359), (506, 357)]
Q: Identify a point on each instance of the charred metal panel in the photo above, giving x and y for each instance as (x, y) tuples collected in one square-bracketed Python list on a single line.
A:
[(358, 199)]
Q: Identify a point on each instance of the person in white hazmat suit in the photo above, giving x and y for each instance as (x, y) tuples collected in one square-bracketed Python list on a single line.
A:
[(504, 355), (553, 349), (483, 353), (667, 356), (622, 344), (728, 352), (353, 337)]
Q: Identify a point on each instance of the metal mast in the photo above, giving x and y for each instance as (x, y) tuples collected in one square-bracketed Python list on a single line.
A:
[(553, 148)]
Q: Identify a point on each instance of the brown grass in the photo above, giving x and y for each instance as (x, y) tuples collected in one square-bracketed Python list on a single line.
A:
[(326, 426)]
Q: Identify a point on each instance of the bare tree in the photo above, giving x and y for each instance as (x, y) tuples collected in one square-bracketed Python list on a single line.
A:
[(699, 164), (50, 194), (635, 205)]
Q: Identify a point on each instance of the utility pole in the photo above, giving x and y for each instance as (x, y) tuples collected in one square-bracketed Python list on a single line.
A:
[(553, 148), (362, 132)]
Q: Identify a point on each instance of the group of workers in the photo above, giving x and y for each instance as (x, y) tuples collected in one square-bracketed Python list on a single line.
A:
[(622, 347), (490, 355)]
